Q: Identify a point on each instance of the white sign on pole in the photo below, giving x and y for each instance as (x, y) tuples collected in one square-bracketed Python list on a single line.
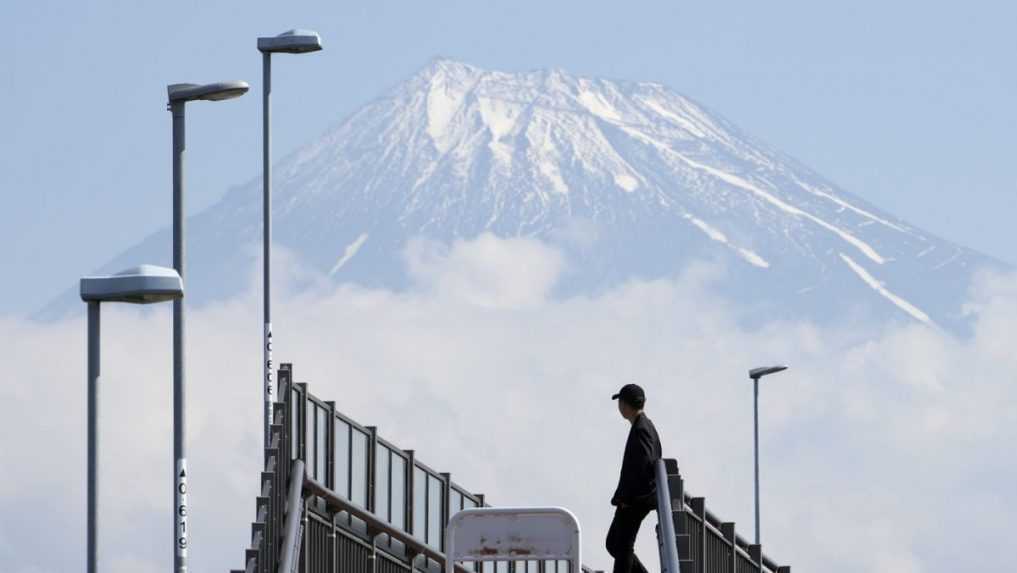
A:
[(269, 379), (513, 533), (180, 508)]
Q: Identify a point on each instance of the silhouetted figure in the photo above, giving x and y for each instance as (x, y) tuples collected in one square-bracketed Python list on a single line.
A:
[(637, 485)]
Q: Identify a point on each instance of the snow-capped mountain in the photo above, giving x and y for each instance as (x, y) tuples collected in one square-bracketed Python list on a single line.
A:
[(631, 179)]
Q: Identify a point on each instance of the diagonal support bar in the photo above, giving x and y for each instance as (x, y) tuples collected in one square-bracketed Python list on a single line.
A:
[(668, 540), (294, 501)]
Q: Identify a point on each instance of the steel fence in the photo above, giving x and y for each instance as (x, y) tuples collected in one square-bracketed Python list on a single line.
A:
[(706, 544), (404, 505)]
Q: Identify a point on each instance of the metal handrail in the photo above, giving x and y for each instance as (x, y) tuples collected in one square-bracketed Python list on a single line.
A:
[(375, 526), (740, 543), (669, 559), (299, 404)]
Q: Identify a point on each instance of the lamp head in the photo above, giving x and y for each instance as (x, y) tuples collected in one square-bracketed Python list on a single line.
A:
[(144, 284), (757, 373), (291, 42), (210, 92)]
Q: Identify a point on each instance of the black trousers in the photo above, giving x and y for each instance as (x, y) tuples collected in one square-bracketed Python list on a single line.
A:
[(621, 538)]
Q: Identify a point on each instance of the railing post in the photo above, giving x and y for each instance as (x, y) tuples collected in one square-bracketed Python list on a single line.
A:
[(408, 494), (333, 556), (301, 411), (277, 497), (286, 397), (756, 554), (698, 505), (446, 512), (728, 530), (330, 446), (372, 557), (372, 461), (284, 460), (676, 487), (675, 484)]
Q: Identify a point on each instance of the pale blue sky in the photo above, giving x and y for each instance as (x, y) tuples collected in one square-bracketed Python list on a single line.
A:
[(907, 104)]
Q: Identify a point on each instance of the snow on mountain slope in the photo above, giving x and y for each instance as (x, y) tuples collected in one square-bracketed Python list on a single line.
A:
[(456, 151)]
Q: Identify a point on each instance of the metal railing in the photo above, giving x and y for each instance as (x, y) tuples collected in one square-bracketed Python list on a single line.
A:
[(354, 502), (367, 504), (705, 543), (263, 550)]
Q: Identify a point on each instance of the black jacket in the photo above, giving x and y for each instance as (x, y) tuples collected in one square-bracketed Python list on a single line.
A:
[(637, 484)]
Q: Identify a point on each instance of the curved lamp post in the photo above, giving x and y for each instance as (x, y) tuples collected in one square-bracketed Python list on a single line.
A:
[(140, 285), (755, 374), (179, 95), (291, 42)]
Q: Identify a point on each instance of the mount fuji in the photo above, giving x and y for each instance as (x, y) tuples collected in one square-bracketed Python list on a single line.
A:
[(628, 179)]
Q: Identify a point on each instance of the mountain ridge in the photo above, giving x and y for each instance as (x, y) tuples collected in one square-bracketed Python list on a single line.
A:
[(456, 150)]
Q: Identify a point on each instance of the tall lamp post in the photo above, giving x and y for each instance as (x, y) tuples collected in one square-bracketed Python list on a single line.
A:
[(756, 374), (140, 285), (179, 95), (291, 42)]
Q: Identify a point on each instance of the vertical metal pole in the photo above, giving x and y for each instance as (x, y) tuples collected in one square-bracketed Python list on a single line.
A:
[(372, 466), (304, 548), (727, 529), (446, 509), (372, 557), (266, 182), (408, 494), (755, 426), (179, 455), (93, 432)]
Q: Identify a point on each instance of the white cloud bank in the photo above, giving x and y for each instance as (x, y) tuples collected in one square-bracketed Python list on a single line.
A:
[(884, 448)]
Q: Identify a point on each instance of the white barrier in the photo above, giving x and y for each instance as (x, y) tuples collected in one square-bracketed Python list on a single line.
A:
[(513, 533)]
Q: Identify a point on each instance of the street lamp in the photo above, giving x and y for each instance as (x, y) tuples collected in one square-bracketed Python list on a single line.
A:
[(179, 95), (140, 285), (756, 374), (291, 42)]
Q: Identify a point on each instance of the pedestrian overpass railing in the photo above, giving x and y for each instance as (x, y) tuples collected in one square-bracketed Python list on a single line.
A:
[(365, 505), (705, 543), (336, 497)]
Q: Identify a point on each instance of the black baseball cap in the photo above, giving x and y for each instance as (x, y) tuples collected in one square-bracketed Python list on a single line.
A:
[(631, 394)]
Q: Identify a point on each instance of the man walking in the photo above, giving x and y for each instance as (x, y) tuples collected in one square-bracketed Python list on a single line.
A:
[(637, 485)]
